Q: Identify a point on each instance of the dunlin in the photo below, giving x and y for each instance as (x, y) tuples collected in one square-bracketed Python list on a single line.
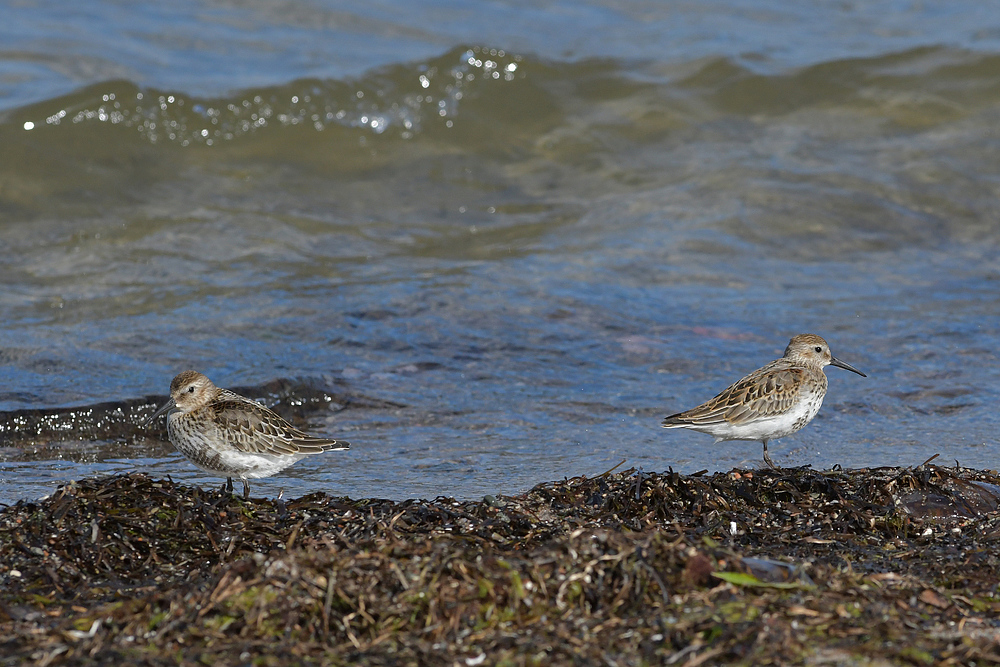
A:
[(228, 435), (770, 403)]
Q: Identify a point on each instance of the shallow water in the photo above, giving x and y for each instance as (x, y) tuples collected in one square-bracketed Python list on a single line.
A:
[(537, 241)]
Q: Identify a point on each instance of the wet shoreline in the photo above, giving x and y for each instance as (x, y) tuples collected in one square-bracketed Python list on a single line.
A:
[(787, 566)]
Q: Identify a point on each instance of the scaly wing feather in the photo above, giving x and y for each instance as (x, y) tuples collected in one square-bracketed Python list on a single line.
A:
[(252, 428), (765, 393)]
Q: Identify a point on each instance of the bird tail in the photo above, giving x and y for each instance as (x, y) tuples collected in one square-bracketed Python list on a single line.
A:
[(336, 446), (317, 445), (674, 421)]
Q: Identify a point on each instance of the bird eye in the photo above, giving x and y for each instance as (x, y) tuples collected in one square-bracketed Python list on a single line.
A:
[(191, 388), (819, 349)]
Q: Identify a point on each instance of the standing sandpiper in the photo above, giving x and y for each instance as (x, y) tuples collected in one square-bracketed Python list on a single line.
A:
[(770, 403), (228, 435)]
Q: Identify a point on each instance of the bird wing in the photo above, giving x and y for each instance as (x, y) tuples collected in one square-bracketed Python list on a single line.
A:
[(765, 393), (252, 428)]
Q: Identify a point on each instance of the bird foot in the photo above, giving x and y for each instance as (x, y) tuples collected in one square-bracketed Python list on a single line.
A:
[(769, 462), (767, 459)]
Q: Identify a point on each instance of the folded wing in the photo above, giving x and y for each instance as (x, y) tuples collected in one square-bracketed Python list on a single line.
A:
[(760, 395), (252, 428)]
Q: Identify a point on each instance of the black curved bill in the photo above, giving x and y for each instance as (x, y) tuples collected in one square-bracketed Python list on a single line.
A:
[(169, 405), (840, 364)]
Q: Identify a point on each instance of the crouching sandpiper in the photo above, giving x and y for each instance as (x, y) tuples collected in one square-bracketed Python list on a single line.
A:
[(228, 435), (770, 403)]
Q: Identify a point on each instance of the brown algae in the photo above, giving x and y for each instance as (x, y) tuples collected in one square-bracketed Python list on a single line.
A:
[(747, 567)]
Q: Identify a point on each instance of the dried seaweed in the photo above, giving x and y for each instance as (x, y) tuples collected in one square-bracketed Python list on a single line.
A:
[(750, 567)]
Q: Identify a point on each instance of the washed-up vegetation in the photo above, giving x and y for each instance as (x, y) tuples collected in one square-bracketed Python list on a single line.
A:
[(875, 566)]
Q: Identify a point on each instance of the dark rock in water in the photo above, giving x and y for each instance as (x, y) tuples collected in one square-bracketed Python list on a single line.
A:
[(295, 400), (100, 421)]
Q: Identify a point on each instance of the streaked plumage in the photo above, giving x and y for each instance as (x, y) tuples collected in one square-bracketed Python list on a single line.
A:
[(228, 435), (770, 403)]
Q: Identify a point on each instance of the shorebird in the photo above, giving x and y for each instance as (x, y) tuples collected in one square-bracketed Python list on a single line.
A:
[(229, 435), (770, 403)]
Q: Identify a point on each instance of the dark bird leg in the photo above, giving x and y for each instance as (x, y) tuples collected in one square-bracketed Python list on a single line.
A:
[(767, 459), (228, 488)]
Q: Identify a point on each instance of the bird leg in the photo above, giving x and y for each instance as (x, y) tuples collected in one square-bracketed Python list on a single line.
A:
[(767, 459), (228, 488), (246, 489)]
